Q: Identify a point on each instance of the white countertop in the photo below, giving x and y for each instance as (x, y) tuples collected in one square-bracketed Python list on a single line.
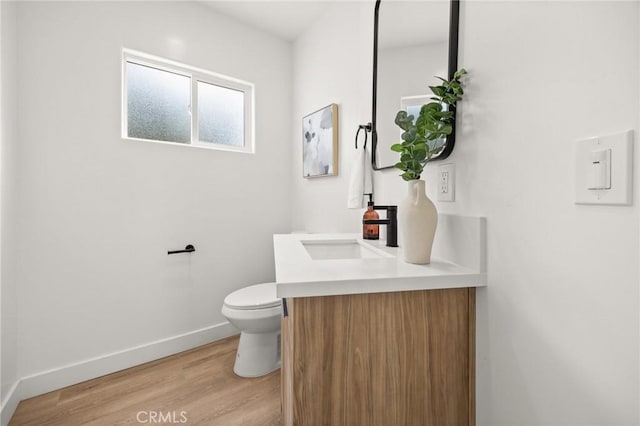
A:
[(298, 275)]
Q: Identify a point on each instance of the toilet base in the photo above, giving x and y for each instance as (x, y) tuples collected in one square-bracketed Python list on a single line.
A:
[(258, 354)]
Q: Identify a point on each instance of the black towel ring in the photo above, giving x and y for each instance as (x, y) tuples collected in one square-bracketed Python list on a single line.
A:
[(367, 129)]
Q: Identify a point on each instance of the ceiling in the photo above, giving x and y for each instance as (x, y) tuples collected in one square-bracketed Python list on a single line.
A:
[(402, 22), (285, 19)]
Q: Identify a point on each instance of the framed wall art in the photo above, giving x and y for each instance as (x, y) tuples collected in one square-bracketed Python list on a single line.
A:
[(320, 142)]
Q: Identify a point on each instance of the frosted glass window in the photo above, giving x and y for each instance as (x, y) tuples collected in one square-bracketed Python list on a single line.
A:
[(220, 115), (158, 104), (167, 101)]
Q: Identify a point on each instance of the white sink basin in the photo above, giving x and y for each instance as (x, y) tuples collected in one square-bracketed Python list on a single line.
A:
[(341, 249)]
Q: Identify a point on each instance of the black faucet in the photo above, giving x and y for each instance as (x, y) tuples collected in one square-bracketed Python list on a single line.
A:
[(391, 221)]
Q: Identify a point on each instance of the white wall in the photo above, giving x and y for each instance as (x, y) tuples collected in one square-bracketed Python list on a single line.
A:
[(564, 276), (97, 214), (8, 166), (331, 64), (557, 327)]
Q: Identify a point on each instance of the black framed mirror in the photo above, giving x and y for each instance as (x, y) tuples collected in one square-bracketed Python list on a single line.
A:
[(413, 41)]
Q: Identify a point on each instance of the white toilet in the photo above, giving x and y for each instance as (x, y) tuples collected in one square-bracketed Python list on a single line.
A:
[(256, 312)]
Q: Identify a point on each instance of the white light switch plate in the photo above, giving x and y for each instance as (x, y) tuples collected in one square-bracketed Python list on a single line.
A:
[(621, 146), (447, 182)]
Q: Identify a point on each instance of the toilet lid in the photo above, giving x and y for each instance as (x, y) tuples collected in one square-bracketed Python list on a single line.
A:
[(257, 296)]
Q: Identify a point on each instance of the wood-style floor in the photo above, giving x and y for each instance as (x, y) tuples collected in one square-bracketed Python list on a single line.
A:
[(198, 386)]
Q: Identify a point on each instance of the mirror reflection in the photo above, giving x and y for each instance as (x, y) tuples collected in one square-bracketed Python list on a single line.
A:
[(412, 48)]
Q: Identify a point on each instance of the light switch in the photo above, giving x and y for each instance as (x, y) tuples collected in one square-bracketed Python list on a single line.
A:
[(603, 167), (600, 169)]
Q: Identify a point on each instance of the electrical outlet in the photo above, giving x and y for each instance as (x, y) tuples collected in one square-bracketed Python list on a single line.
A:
[(446, 182)]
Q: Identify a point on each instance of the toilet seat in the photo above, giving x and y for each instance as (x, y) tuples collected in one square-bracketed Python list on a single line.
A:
[(259, 296)]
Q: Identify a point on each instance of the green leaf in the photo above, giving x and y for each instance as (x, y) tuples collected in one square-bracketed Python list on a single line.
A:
[(404, 121), (429, 126), (433, 136), (438, 90), (458, 74), (450, 99), (409, 135), (400, 166), (431, 107), (396, 147)]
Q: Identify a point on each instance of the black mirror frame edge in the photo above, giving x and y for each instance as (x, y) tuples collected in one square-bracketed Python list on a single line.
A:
[(454, 23)]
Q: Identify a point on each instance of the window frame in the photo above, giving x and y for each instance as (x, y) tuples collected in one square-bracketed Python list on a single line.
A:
[(196, 75)]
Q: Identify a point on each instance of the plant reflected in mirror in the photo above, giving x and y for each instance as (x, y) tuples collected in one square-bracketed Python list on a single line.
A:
[(425, 137)]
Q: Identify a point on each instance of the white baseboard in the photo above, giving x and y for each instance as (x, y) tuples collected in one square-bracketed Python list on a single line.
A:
[(60, 377), (9, 404)]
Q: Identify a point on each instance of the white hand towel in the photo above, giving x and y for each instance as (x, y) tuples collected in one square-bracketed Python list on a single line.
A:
[(368, 173), (361, 179)]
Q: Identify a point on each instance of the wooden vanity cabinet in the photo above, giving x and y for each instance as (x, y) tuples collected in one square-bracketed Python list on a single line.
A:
[(387, 359)]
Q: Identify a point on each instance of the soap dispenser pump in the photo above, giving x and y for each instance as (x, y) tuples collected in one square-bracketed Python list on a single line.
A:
[(370, 232)]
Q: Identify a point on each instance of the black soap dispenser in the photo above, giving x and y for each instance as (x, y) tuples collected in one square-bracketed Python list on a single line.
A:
[(370, 232)]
